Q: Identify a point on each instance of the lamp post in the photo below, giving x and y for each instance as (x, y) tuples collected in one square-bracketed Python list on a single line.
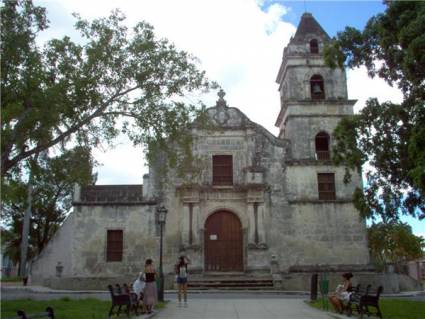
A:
[(162, 215)]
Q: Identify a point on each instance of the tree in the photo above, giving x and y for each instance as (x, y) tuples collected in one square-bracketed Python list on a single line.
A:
[(389, 136), (66, 92), (394, 243), (53, 182)]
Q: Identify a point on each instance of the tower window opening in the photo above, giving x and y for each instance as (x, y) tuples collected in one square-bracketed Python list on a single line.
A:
[(326, 186), (314, 46), (322, 146), (317, 87)]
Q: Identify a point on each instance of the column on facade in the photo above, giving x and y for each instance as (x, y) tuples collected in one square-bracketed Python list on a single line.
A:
[(251, 227), (256, 211), (195, 224), (260, 223), (185, 223), (189, 222)]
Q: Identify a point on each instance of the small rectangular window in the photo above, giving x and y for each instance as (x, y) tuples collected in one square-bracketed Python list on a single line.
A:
[(114, 245), (222, 170), (326, 186)]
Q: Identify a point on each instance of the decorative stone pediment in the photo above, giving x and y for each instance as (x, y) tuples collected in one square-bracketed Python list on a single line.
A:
[(227, 117), (255, 196), (190, 195)]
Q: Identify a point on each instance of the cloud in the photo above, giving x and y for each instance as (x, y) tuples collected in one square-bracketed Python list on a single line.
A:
[(361, 87), (238, 43)]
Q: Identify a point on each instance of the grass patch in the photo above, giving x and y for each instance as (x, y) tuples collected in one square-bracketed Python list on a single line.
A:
[(391, 308), (65, 308), (11, 279), (161, 305)]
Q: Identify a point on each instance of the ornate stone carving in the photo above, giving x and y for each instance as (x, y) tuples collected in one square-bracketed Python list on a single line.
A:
[(190, 196), (255, 196)]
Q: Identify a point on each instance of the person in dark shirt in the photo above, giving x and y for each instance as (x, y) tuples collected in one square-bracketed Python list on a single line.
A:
[(181, 277), (149, 292)]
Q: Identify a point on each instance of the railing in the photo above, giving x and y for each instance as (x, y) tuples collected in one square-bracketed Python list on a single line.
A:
[(323, 155)]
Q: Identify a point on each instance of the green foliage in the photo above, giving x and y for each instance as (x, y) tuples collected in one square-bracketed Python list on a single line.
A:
[(117, 80), (394, 243), (11, 279), (52, 183), (65, 308), (390, 137)]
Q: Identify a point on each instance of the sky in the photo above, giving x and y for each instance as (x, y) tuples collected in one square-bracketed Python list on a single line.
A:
[(239, 44)]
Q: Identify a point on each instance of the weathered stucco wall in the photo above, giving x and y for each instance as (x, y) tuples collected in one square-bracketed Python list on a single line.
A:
[(301, 181), (57, 250), (91, 224)]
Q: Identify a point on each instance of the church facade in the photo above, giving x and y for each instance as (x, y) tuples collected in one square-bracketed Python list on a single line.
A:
[(262, 205)]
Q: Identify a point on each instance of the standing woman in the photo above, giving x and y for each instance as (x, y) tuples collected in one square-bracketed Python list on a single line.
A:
[(149, 292), (181, 274)]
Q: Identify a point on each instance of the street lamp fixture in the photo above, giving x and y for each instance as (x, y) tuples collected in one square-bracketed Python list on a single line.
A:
[(162, 215)]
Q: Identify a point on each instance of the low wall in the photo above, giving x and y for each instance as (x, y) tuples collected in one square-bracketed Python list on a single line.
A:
[(294, 281), (391, 282)]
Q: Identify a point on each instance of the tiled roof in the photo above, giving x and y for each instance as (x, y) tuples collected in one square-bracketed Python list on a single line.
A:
[(308, 25), (112, 194)]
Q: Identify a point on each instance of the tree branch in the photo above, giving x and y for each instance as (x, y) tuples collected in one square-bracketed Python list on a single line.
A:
[(7, 163)]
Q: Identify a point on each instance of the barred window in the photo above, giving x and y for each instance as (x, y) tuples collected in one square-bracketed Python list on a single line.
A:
[(222, 170), (114, 245), (326, 186), (322, 146)]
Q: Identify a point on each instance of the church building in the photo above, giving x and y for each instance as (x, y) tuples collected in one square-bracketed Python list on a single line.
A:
[(263, 206)]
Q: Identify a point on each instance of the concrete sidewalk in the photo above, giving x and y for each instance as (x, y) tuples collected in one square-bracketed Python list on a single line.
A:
[(274, 308)]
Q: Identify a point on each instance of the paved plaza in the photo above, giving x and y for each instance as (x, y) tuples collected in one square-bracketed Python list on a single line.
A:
[(235, 308)]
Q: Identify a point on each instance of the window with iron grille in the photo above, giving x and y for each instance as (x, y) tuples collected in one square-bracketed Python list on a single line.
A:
[(114, 245), (322, 146), (326, 186), (222, 170)]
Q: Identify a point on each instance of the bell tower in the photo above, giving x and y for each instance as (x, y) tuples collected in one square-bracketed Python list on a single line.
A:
[(313, 100), (313, 96)]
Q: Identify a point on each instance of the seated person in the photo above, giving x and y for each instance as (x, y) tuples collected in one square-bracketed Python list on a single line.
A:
[(342, 293), (138, 286)]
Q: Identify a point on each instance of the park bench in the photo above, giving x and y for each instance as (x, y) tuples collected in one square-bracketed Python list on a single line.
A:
[(49, 313), (135, 299), (363, 299), (120, 298)]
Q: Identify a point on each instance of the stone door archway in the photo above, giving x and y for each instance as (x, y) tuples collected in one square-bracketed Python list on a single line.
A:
[(223, 242)]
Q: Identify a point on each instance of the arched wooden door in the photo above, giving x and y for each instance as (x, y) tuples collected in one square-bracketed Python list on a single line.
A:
[(223, 242)]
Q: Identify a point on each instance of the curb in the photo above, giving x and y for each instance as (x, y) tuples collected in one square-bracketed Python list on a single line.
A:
[(209, 291), (40, 289)]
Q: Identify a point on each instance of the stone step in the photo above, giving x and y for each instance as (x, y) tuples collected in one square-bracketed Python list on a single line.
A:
[(230, 283), (259, 288)]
